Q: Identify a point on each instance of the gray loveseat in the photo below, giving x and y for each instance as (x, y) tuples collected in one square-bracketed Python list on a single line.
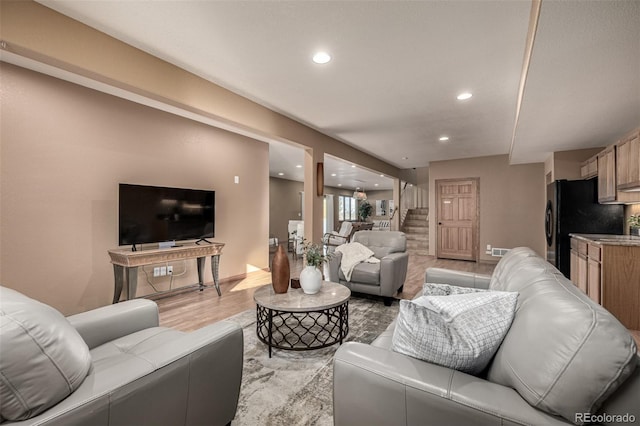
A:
[(114, 366), (563, 355), (380, 279)]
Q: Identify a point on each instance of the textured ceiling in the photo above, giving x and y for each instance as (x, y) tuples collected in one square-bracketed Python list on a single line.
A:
[(397, 67)]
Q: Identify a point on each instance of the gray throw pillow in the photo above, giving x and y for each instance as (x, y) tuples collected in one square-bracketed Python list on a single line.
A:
[(460, 329), (43, 359)]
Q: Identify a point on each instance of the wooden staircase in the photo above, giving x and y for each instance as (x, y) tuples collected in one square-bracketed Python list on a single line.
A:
[(416, 227)]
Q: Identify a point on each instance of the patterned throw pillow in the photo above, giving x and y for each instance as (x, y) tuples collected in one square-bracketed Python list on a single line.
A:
[(455, 327)]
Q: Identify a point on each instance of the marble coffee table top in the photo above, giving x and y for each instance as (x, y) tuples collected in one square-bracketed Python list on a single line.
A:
[(295, 300)]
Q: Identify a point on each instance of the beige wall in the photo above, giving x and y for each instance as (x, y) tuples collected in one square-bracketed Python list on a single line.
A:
[(64, 150), (421, 192), (512, 200), (33, 31), (284, 205), (566, 164)]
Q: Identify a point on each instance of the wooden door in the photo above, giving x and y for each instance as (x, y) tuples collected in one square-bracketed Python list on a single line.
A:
[(457, 210)]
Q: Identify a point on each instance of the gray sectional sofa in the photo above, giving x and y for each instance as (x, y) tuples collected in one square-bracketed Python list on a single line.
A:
[(564, 360), (113, 366)]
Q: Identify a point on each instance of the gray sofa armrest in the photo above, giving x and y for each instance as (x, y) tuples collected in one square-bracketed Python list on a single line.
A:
[(393, 272), (404, 390), (213, 356), (193, 379), (110, 322), (458, 278), (334, 267)]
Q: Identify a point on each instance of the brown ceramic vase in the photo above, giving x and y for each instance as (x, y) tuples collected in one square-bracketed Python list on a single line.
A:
[(280, 271)]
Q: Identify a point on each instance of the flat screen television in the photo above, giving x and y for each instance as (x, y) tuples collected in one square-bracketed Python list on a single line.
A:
[(153, 214)]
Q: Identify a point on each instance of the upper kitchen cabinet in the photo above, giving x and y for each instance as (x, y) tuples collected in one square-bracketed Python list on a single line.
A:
[(628, 162), (589, 168), (607, 190), (618, 172)]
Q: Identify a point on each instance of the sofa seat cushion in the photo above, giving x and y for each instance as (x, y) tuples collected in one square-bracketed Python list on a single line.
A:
[(43, 360), (364, 273), (564, 353), (460, 331)]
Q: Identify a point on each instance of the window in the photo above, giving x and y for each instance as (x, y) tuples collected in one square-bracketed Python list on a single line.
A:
[(347, 208)]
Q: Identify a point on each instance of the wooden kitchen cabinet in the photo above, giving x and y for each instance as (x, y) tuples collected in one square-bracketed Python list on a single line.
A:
[(608, 192), (607, 189), (573, 262), (589, 168), (594, 273), (582, 274), (628, 162), (610, 272)]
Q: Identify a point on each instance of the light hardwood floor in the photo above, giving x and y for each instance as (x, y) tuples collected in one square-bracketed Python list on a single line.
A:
[(193, 309)]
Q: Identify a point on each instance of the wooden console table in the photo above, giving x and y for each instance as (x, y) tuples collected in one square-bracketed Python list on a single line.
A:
[(126, 262)]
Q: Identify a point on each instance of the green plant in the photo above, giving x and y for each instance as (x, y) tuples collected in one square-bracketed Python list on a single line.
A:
[(365, 210), (634, 221), (314, 254)]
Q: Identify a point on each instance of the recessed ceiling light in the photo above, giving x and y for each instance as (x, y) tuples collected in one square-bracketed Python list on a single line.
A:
[(375, 184), (280, 174), (339, 184), (298, 166), (443, 138), (463, 96), (381, 175), (353, 165), (321, 58), (333, 174)]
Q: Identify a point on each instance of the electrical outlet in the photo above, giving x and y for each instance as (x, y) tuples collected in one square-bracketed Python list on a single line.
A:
[(163, 271), (169, 270), (156, 271)]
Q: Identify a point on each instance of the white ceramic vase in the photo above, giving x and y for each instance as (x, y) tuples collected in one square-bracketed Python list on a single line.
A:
[(310, 280)]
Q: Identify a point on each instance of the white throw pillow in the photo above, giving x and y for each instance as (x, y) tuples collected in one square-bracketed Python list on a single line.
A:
[(43, 360), (461, 329)]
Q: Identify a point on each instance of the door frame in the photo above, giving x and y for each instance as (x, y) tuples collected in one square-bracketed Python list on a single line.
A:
[(475, 226)]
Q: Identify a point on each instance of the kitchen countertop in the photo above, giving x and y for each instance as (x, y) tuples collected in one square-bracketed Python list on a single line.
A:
[(605, 239)]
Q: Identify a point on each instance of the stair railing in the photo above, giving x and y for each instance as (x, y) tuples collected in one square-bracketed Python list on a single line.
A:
[(407, 202)]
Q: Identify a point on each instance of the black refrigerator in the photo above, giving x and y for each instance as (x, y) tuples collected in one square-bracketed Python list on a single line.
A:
[(572, 208)]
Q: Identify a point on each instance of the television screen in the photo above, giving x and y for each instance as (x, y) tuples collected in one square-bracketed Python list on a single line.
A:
[(151, 214)]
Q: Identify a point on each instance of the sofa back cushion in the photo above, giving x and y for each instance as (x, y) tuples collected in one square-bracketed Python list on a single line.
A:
[(43, 360), (564, 354), (382, 243)]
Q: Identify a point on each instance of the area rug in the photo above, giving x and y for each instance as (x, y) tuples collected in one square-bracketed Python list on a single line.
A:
[(295, 388)]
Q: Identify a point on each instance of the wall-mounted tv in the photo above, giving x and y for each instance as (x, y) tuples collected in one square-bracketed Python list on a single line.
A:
[(152, 214)]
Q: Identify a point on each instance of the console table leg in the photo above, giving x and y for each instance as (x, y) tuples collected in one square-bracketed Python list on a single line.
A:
[(201, 261), (215, 265), (118, 275), (132, 282)]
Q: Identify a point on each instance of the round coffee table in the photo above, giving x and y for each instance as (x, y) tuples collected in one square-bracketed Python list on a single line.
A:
[(298, 321)]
